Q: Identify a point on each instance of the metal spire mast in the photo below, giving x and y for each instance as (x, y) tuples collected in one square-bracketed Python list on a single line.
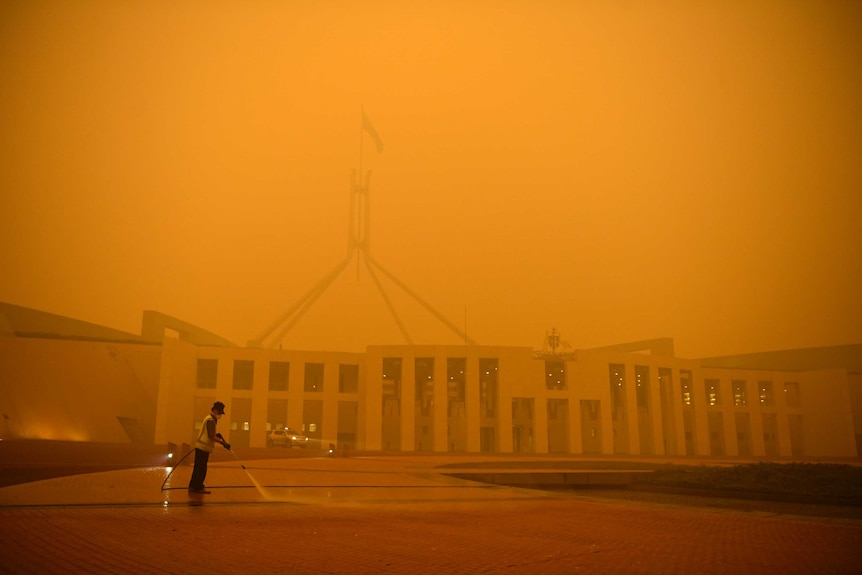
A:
[(359, 245)]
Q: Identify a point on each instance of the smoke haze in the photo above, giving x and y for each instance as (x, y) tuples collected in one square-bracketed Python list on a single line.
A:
[(616, 170)]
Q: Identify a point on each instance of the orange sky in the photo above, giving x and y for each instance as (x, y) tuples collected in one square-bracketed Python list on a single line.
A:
[(616, 170)]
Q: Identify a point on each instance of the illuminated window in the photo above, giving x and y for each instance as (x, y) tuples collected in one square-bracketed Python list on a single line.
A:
[(739, 396), (616, 382), (712, 389), (686, 394), (685, 387), (555, 374), (642, 385)]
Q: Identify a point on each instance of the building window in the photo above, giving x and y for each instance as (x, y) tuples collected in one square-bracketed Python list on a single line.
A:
[(685, 386), (791, 394), (243, 374), (312, 417), (391, 384), (423, 378), (488, 368), (555, 374), (616, 382), (456, 378), (239, 414), (591, 407), (766, 397), (279, 374), (207, 373), (522, 408), (348, 378), (313, 377), (739, 395), (642, 385), (712, 389)]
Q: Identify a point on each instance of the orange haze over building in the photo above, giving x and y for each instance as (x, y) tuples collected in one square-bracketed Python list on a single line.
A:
[(617, 170)]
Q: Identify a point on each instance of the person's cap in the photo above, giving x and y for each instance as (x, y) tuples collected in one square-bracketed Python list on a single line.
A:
[(218, 407)]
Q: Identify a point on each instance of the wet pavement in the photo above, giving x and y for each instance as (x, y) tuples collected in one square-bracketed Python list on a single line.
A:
[(381, 514)]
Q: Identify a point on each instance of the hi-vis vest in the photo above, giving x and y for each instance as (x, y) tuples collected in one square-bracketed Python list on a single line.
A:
[(204, 442)]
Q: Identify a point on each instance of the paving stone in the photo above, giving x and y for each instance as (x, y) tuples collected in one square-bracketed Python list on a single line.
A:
[(391, 515)]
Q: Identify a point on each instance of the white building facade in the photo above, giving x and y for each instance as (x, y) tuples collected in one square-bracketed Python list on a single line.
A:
[(64, 379), (486, 399)]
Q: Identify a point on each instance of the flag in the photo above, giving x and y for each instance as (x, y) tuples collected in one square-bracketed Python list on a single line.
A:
[(366, 125)]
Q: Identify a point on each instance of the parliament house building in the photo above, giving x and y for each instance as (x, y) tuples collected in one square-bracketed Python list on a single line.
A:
[(65, 379)]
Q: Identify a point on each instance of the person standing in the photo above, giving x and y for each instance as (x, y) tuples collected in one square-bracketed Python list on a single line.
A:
[(207, 438)]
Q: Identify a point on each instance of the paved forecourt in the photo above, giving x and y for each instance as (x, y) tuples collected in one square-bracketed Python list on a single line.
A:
[(387, 515)]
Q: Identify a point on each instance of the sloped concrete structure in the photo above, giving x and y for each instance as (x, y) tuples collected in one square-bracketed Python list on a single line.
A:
[(65, 379)]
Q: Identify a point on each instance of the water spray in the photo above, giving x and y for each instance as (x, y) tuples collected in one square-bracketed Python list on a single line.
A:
[(253, 480)]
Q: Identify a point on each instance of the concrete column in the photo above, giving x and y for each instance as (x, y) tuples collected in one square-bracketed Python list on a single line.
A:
[(330, 405), (177, 372), (224, 378), (259, 397), (295, 394)]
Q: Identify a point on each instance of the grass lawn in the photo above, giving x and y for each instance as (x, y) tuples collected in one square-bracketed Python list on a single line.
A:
[(834, 481)]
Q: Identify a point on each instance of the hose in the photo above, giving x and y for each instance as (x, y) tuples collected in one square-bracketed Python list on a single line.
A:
[(183, 458)]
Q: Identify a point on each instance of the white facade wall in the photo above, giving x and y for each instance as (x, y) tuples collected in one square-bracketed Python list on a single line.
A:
[(651, 415)]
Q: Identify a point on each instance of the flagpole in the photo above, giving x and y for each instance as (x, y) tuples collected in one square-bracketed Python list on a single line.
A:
[(360, 183), (361, 129), (359, 241)]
